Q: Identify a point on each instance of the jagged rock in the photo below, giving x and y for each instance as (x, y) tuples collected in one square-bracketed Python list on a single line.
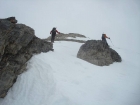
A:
[(65, 37), (18, 44), (95, 52), (10, 19)]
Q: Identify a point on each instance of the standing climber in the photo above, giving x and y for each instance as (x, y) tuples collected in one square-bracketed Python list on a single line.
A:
[(104, 39), (53, 33)]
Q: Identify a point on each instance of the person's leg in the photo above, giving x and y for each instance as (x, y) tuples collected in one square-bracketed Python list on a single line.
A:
[(107, 44), (52, 38)]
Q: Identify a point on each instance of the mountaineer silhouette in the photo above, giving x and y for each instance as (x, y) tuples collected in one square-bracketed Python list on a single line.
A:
[(104, 39), (53, 34)]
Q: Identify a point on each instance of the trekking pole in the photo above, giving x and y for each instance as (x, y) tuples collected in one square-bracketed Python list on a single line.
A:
[(114, 46), (111, 42)]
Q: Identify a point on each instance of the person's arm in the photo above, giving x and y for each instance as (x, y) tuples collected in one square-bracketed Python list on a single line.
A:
[(51, 32), (106, 36), (57, 32)]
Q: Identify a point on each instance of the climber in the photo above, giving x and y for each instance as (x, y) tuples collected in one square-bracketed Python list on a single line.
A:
[(104, 39), (53, 33)]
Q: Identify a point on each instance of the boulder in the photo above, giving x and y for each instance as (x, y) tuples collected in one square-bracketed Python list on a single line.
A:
[(18, 44), (95, 52)]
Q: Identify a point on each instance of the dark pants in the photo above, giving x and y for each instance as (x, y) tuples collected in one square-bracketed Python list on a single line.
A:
[(53, 37), (105, 42)]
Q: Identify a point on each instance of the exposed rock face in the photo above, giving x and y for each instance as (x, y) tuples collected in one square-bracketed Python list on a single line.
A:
[(64, 37), (17, 45), (12, 19), (96, 53)]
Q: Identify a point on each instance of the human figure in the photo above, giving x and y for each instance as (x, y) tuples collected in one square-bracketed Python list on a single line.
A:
[(104, 39), (53, 34)]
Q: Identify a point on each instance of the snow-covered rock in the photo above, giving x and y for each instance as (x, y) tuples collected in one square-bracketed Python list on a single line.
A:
[(95, 52), (73, 37)]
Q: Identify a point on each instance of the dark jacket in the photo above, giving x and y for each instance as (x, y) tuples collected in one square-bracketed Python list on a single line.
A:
[(54, 31)]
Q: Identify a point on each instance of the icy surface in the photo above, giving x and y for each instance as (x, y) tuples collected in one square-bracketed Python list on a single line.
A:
[(59, 78)]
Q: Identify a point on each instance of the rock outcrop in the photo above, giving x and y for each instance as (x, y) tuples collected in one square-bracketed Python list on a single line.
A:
[(68, 37), (95, 52), (18, 44)]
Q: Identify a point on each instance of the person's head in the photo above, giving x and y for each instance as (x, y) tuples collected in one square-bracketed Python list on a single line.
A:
[(54, 28)]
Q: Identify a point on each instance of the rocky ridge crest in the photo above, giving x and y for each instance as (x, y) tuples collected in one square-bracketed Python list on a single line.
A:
[(68, 37), (18, 44)]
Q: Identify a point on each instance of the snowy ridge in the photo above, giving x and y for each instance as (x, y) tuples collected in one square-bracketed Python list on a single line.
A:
[(60, 78)]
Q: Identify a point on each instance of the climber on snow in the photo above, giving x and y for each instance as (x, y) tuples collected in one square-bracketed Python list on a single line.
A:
[(104, 39), (53, 34)]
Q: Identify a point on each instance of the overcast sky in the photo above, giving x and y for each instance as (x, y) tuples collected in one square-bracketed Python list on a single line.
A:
[(119, 19)]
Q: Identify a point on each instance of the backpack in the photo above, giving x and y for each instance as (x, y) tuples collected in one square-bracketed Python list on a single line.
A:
[(54, 31)]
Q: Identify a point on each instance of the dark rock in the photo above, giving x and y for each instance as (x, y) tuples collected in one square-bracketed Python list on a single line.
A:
[(95, 52), (18, 44), (64, 37)]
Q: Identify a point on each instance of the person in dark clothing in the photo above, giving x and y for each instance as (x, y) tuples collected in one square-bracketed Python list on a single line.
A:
[(104, 39), (53, 34)]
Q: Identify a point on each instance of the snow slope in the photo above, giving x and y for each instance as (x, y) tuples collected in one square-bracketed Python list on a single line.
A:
[(60, 78)]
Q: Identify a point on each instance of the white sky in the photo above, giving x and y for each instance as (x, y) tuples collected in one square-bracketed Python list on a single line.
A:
[(119, 19)]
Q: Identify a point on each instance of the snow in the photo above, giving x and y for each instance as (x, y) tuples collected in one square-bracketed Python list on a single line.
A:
[(79, 38), (60, 78)]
